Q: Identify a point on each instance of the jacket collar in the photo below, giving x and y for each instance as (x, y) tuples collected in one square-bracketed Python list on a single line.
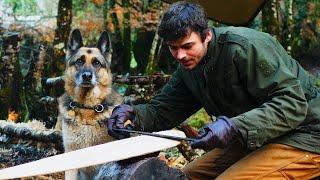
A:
[(211, 49)]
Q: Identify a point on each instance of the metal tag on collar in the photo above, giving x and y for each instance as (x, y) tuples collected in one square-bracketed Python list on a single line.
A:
[(98, 108), (72, 105)]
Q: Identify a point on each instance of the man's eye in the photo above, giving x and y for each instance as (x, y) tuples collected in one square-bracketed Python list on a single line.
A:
[(173, 48), (187, 46)]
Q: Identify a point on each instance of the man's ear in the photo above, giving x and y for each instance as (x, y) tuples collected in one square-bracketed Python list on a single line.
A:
[(75, 40), (209, 36), (104, 43)]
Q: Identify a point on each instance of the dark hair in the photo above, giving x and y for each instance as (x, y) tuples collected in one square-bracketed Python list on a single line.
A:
[(181, 19)]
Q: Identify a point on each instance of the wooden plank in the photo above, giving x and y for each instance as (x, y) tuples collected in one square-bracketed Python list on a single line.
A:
[(108, 152)]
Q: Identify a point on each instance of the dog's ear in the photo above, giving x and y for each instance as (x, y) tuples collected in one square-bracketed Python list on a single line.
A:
[(104, 43), (75, 40)]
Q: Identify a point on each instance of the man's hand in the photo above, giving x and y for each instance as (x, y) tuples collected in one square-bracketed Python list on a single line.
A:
[(118, 118), (217, 134)]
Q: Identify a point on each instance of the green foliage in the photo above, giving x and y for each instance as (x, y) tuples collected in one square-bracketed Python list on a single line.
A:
[(306, 27), (81, 8), (133, 62), (318, 82), (199, 119), (301, 11), (23, 7)]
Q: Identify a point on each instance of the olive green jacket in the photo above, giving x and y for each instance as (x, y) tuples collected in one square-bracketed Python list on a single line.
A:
[(247, 76)]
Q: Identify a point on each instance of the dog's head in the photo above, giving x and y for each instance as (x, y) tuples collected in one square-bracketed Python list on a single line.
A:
[(86, 66), (88, 75)]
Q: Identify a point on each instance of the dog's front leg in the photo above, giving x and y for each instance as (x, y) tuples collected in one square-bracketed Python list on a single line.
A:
[(71, 174)]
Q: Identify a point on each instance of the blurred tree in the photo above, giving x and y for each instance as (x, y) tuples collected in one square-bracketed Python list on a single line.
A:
[(64, 20), (118, 45), (11, 78), (270, 18), (126, 37)]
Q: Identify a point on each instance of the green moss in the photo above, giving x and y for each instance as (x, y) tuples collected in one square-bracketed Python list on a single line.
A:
[(199, 119)]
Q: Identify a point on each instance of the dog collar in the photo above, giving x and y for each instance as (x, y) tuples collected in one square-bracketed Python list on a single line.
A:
[(99, 108)]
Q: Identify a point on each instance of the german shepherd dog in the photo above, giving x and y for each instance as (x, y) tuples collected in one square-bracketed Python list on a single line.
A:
[(89, 98)]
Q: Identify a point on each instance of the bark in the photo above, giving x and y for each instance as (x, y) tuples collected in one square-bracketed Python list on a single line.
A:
[(24, 131), (149, 168), (288, 24), (126, 38), (117, 65), (106, 14), (151, 66), (64, 21), (10, 76), (157, 79), (270, 23), (141, 48)]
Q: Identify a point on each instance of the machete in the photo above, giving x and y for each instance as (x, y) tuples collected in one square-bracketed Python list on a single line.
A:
[(155, 135)]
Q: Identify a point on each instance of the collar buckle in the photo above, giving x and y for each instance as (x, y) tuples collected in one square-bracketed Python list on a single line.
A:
[(98, 108), (72, 104)]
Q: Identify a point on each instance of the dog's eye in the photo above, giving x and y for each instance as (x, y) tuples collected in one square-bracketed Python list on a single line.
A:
[(80, 61), (96, 63)]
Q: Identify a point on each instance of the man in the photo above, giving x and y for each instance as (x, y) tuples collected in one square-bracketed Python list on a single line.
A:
[(266, 104)]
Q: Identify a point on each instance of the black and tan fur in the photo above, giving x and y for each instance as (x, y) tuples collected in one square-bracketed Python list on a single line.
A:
[(88, 82)]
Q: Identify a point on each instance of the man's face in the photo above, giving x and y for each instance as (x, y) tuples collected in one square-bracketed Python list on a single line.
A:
[(189, 50)]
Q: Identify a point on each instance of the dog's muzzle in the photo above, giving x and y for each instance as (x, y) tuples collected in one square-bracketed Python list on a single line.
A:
[(86, 79)]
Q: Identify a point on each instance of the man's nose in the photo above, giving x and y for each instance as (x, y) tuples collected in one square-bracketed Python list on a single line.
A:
[(181, 54)]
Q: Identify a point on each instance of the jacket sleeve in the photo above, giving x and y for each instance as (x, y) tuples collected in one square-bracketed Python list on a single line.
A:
[(170, 107), (282, 105)]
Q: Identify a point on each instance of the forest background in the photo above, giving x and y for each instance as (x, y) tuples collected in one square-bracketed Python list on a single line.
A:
[(42, 28)]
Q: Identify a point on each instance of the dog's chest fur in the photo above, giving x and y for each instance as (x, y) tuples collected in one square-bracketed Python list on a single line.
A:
[(83, 127)]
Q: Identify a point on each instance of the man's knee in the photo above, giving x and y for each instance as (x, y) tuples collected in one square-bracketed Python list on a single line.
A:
[(194, 171)]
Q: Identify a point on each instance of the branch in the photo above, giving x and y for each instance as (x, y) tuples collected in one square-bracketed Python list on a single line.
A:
[(157, 79), (26, 131)]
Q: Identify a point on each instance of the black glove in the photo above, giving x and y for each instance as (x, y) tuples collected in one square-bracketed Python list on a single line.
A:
[(217, 134), (119, 116)]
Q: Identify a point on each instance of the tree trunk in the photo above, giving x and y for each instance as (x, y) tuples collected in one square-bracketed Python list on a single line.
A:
[(106, 14), (126, 37), (287, 25), (141, 48), (10, 78), (151, 66), (117, 65), (270, 23), (64, 21)]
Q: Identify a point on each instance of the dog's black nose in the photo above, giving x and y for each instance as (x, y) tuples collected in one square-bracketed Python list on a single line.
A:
[(87, 76)]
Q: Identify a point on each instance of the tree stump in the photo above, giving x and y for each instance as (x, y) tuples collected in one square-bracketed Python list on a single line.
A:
[(149, 168)]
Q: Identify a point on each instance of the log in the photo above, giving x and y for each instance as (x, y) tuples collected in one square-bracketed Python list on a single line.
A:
[(149, 168), (10, 75), (26, 131), (157, 79)]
